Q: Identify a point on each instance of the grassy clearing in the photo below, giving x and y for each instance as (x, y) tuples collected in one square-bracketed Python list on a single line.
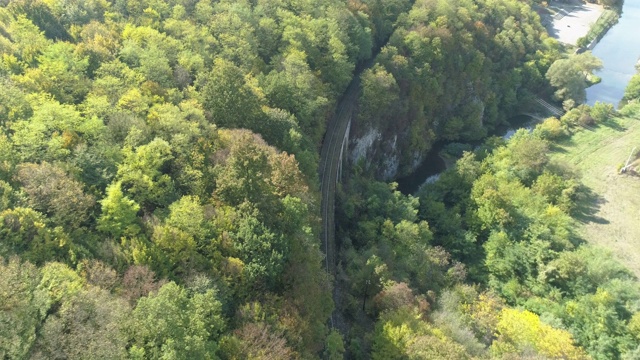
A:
[(611, 213)]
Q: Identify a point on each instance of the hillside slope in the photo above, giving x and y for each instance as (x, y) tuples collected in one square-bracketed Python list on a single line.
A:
[(612, 211)]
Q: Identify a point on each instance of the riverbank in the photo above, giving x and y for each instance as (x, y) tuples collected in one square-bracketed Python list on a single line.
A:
[(578, 24), (570, 21), (619, 50), (444, 155), (607, 19)]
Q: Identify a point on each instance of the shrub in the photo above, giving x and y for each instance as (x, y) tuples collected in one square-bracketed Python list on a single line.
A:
[(550, 128), (601, 112)]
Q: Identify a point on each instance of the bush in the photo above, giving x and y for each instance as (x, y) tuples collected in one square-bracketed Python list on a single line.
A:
[(586, 119), (568, 104), (579, 116), (456, 149), (601, 112), (631, 109), (550, 128)]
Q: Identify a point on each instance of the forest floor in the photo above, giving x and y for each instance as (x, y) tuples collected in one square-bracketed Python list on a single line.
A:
[(610, 214)]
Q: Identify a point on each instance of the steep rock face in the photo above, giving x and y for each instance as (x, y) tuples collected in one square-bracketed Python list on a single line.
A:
[(384, 150), (452, 71), (374, 152), (362, 148)]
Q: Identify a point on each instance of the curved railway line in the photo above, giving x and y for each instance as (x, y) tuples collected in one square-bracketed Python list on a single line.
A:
[(330, 158), (330, 161)]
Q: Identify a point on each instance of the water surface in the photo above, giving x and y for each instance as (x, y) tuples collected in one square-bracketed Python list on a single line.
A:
[(431, 167), (619, 50)]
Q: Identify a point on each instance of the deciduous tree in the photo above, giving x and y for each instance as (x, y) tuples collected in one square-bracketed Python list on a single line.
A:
[(174, 324)]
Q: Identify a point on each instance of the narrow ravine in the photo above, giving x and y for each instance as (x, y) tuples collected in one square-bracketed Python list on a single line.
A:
[(330, 159)]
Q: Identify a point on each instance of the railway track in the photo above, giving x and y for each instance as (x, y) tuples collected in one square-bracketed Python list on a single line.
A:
[(330, 158)]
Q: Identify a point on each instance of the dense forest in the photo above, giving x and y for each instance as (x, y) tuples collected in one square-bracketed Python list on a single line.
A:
[(452, 70), (142, 215), (159, 195), (484, 262)]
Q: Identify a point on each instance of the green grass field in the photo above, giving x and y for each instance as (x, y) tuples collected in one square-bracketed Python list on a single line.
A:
[(611, 213)]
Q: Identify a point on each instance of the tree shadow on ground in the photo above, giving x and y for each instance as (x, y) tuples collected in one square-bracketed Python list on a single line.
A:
[(555, 148), (562, 144), (588, 204), (613, 124)]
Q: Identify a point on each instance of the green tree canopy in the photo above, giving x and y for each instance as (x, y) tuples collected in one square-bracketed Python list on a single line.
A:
[(174, 323)]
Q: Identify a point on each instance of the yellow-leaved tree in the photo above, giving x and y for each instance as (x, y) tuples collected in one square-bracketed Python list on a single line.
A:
[(522, 332)]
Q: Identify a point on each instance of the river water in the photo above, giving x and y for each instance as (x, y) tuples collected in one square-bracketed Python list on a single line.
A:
[(432, 165), (619, 50)]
